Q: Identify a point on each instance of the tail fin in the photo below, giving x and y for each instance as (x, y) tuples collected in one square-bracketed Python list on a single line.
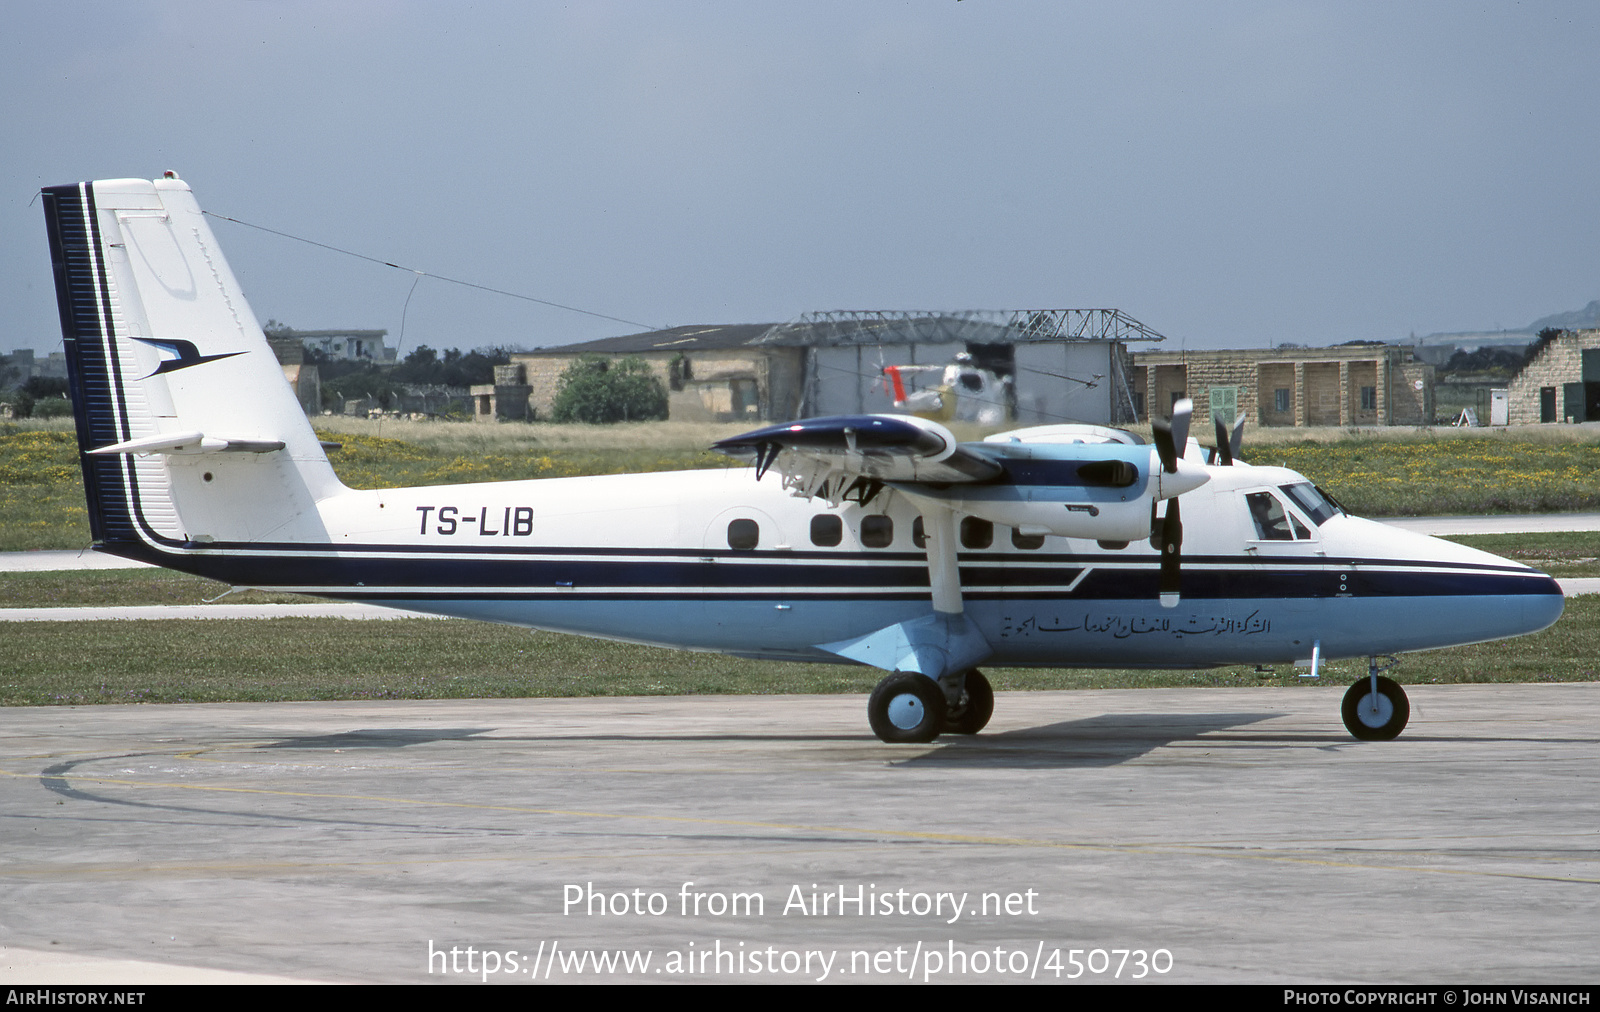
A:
[(188, 432)]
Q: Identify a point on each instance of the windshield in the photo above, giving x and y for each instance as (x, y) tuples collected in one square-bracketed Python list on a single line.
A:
[(1309, 498)]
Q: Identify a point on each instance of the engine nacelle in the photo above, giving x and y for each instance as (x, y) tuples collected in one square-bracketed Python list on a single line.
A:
[(1103, 493)]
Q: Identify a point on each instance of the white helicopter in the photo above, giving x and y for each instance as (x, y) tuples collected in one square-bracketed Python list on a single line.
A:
[(871, 539), (964, 392)]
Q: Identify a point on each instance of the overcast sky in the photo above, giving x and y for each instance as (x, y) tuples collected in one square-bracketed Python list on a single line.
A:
[(1230, 174)]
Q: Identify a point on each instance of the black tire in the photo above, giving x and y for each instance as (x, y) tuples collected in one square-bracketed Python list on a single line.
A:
[(1392, 710), (906, 708), (977, 706)]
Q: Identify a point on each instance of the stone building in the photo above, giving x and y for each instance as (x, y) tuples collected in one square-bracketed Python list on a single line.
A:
[(304, 378), (1354, 384), (1560, 383), (712, 373), (349, 345), (52, 366), (506, 399)]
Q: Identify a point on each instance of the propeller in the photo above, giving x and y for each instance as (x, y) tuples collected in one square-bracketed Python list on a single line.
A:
[(1171, 554), (1171, 438), (1172, 434), (1229, 441)]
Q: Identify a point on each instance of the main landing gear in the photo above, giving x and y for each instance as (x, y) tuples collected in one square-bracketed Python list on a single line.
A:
[(1375, 708), (910, 708)]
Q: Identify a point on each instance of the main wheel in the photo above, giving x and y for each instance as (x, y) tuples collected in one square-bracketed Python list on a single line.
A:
[(977, 706), (1379, 717), (906, 707)]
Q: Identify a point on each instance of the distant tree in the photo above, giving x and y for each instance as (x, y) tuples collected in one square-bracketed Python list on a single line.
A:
[(41, 397), (453, 369), (361, 379), (598, 390), (1546, 337), (1502, 362)]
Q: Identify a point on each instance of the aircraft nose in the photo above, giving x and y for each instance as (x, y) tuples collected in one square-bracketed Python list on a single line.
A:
[(1543, 605)]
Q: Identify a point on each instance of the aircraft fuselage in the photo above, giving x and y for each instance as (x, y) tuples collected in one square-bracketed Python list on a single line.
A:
[(714, 560)]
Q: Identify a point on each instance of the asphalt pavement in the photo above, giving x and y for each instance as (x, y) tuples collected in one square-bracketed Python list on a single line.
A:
[(1183, 835)]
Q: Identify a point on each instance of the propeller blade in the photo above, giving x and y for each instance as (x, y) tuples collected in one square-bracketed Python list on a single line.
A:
[(1161, 433), (1182, 412), (1171, 555), (1236, 440), (1224, 447), (1171, 435)]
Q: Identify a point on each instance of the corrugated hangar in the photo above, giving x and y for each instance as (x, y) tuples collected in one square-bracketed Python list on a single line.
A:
[(1053, 365)]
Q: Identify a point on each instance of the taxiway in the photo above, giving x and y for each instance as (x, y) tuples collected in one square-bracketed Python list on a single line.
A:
[(1241, 831)]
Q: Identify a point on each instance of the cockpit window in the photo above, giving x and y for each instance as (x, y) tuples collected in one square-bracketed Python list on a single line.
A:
[(1311, 499), (1273, 522)]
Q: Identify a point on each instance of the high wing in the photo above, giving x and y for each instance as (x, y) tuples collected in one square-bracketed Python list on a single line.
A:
[(828, 457), (1071, 481)]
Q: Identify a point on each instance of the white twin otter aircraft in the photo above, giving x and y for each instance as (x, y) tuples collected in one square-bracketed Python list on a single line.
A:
[(867, 539)]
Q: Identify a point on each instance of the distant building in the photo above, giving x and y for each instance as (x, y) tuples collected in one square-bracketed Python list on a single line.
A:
[(1560, 383), (28, 365), (1060, 365), (304, 379), (349, 345), (711, 373), (506, 399), (1366, 384)]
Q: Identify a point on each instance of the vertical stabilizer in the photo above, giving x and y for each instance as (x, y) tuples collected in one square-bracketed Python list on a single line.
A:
[(188, 432)]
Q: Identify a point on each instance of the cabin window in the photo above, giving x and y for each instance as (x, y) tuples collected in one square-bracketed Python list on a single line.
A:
[(1026, 542), (877, 531), (1273, 522), (919, 536), (827, 530), (1271, 519), (743, 534), (976, 532)]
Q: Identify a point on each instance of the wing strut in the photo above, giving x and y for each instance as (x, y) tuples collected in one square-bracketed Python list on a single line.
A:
[(942, 645)]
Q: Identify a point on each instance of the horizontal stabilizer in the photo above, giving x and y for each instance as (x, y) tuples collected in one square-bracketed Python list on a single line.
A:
[(190, 442)]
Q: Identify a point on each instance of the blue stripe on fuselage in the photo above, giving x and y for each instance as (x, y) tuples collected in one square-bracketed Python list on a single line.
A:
[(721, 573)]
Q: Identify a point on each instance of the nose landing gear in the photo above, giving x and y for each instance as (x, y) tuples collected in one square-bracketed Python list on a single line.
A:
[(1375, 708)]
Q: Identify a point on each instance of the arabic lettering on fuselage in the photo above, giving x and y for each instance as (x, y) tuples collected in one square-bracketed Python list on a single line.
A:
[(1123, 626)]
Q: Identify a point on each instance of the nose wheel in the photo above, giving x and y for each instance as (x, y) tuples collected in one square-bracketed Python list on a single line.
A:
[(1375, 709)]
